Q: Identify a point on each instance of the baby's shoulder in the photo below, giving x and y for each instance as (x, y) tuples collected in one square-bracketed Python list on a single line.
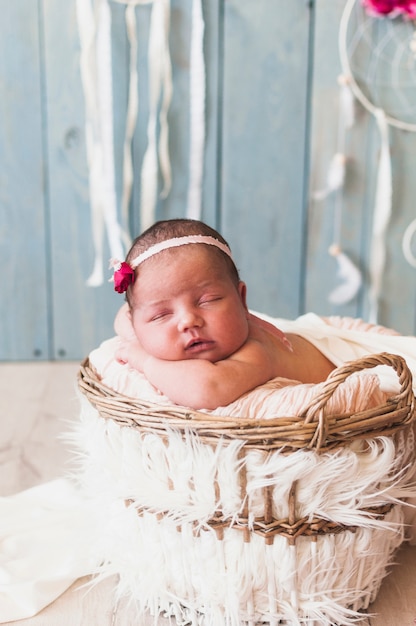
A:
[(306, 363)]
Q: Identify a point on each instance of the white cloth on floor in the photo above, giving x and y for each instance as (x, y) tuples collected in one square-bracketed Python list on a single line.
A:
[(45, 536)]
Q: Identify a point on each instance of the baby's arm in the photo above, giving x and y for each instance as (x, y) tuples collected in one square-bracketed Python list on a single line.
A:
[(199, 383)]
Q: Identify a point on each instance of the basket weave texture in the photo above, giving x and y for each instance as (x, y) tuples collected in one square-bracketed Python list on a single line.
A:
[(314, 429)]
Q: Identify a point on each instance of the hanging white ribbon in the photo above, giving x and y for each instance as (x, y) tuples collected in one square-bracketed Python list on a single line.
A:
[(160, 79), (164, 159), (197, 113), (131, 117), (94, 25), (407, 243), (381, 218)]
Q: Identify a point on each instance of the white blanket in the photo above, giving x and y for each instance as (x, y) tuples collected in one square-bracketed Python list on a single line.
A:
[(45, 532)]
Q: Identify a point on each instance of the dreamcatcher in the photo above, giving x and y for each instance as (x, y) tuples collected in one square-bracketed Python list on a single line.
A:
[(94, 25), (378, 60)]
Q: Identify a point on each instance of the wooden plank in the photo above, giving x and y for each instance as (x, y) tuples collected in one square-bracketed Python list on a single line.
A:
[(265, 116), (23, 240)]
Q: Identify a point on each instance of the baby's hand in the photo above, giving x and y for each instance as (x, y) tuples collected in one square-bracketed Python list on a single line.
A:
[(121, 354), (130, 352), (122, 323)]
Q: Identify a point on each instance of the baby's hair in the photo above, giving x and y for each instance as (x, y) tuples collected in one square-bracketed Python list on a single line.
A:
[(180, 227)]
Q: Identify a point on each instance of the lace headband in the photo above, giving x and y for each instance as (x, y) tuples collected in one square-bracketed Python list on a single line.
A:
[(124, 272)]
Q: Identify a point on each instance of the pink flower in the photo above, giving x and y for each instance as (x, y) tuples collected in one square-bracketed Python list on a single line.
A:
[(123, 277), (391, 7), (380, 7), (409, 8)]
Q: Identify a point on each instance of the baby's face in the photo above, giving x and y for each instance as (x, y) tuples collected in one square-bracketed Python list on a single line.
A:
[(185, 306)]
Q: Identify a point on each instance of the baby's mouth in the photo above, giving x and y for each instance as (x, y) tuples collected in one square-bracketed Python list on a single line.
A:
[(198, 345)]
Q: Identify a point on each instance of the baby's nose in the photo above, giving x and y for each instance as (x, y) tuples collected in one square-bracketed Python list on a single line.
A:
[(189, 319)]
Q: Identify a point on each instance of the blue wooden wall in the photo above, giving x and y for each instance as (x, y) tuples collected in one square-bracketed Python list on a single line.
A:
[(271, 127)]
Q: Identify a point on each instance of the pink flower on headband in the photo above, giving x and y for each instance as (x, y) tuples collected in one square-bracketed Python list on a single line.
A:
[(123, 276)]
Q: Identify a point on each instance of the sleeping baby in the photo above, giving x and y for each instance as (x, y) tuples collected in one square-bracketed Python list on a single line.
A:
[(186, 325)]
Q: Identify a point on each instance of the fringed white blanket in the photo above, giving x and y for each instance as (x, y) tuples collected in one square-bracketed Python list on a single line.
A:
[(167, 555)]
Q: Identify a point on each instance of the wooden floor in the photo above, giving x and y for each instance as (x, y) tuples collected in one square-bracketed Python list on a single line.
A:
[(37, 403)]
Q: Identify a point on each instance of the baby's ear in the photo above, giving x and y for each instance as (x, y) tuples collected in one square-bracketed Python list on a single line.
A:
[(242, 290)]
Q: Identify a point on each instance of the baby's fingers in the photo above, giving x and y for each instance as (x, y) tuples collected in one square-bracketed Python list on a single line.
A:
[(121, 355)]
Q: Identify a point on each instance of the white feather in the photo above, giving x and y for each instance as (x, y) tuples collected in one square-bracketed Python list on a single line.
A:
[(351, 277), (335, 177)]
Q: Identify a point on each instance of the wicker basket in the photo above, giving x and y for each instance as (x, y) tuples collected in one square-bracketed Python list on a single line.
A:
[(245, 553)]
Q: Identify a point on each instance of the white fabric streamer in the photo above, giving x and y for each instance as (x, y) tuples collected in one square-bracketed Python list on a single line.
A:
[(382, 212), (95, 35), (197, 132), (131, 119), (164, 160), (94, 24), (160, 80)]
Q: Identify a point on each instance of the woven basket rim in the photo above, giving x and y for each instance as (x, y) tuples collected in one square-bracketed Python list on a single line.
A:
[(312, 429)]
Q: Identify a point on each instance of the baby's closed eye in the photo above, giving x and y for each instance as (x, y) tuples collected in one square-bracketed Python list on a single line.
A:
[(160, 315), (209, 299)]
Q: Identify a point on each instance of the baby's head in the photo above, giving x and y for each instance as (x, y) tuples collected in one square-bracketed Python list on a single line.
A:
[(174, 229), (185, 296)]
